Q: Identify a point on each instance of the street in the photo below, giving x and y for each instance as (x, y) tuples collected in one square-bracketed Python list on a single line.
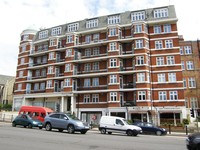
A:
[(34, 139)]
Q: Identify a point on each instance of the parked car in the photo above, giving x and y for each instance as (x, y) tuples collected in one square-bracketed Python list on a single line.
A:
[(26, 121), (149, 128), (193, 141), (119, 125), (62, 121)]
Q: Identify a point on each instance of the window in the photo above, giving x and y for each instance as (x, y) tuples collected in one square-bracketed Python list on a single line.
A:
[(172, 77), (170, 60), (181, 50), (88, 52), (52, 42), (184, 83), (19, 86), (167, 28), (140, 77), (68, 52), (113, 62), (96, 37), (43, 34), (95, 98), (23, 48), (22, 60), (67, 67), (161, 78), (159, 61), (95, 82), (49, 84), (37, 73), (42, 86), (173, 95), (158, 44), (51, 55), (88, 38), (96, 66), (69, 38), (56, 31), (114, 19), (36, 86), (113, 78), (96, 51), (138, 16), (193, 102), (162, 95), (21, 74), (72, 27), (67, 82), (87, 67), (141, 95), (190, 65), (112, 32), (161, 13), (50, 70), (157, 29), (183, 65), (139, 43), (140, 60), (92, 23), (43, 73), (138, 28), (188, 50), (25, 37), (168, 44), (113, 46), (86, 82), (113, 96), (86, 98), (191, 82)]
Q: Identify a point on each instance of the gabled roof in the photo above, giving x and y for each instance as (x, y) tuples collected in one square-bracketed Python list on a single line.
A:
[(5, 78)]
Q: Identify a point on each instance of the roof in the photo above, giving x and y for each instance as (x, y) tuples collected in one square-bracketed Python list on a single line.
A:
[(5, 78)]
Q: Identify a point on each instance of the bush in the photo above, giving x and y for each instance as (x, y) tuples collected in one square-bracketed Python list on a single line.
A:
[(185, 121), (7, 107)]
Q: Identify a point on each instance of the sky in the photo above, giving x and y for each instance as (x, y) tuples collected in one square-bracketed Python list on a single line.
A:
[(18, 15)]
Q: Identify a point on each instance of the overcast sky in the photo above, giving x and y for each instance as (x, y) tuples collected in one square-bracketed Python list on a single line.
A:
[(18, 15)]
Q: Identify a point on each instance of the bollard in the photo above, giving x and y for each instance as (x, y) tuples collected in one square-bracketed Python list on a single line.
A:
[(4, 117), (169, 129), (186, 130)]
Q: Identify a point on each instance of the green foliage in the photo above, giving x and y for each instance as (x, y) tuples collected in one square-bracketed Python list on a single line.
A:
[(6, 107), (185, 121)]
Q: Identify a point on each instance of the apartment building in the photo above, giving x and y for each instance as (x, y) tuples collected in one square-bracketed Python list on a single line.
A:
[(190, 61), (125, 64)]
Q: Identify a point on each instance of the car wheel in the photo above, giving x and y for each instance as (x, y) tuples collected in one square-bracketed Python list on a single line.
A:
[(109, 132), (48, 127), (60, 130), (158, 133), (70, 129), (83, 132), (135, 133), (129, 133), (14, 124), (30, 126), (103, 131), (40, 127)]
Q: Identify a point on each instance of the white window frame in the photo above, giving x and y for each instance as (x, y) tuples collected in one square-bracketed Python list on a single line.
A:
[(21, 74), (160, 61), (114, 19), (87, 82), (157, 29), (191, 82), (70, 38), (161, 13), (184, 83), (95, 51), (87, 67), (95, 66), (95, 98), (56, 31), (173, 95), (182, 65), (51, 55), (22, 61), (169, 43), (161, 78), (190, 65), (49, 83), (86, 98), (67, 67), (188, 50), (113, 62), (88, 38), (19, 86), (136, 16), (68, 52), (50, 69), (112, 32), (113, 96), (140, 77), (43, 34), (158, 44), (162, 95), (95, 82), (181, 50), (139, 43), (171, 77), (141, 95), (170, 60), (140, 60), (167, 28), (72, 27), (113, 79), (88, 52), (113, 46), (138, 28), (92, 23)]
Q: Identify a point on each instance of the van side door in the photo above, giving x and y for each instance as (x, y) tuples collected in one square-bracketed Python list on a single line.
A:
[(119, 126)]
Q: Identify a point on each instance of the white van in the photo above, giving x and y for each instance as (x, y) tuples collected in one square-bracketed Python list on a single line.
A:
[(119, 125)]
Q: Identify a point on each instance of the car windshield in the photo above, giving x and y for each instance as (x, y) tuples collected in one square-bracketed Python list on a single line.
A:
[(126, 122), (72, 116)]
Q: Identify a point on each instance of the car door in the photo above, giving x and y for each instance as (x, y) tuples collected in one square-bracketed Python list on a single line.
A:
[(63, 121), (148, 128), (119, 126), (24, 120), (54, 120)]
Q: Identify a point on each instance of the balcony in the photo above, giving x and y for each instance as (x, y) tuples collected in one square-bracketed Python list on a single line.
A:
[(100, 87), (129, 85)]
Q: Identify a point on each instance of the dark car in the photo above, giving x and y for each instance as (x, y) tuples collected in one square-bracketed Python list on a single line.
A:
[(193, 141), (26, 121), (62, 121), (149, 128)]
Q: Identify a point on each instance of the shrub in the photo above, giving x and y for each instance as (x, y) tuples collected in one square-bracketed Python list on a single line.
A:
[(185, 121)]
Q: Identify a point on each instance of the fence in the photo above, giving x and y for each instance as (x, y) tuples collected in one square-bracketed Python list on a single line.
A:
[(7, 116)]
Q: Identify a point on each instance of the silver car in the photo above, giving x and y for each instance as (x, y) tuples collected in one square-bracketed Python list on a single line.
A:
[(62, 121)]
